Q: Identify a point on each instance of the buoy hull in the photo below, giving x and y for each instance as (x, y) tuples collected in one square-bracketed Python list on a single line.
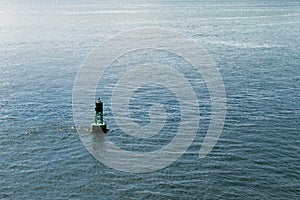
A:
[(99, 128)]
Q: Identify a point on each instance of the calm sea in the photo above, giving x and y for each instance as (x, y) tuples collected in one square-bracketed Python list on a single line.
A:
[(254, 44)]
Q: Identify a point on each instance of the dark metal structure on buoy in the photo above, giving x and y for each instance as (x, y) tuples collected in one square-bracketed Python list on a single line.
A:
[(99, 125)]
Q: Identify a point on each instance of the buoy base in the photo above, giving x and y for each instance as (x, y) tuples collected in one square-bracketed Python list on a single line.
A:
[(99, 128)]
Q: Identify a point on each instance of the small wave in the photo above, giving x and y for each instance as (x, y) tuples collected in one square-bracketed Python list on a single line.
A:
[(104, 12), (276, 24), (244, 17), (245, 45)]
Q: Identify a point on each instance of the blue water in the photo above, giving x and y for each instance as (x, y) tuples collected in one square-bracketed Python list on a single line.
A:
[(254, 44)]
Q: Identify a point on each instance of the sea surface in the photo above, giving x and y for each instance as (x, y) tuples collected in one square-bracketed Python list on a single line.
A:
[(255, 45)]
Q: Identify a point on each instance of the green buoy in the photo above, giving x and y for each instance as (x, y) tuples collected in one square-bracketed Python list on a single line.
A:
[(99, 125)]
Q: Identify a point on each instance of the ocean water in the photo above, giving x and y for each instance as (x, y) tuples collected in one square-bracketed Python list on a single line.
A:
[(254, 44)]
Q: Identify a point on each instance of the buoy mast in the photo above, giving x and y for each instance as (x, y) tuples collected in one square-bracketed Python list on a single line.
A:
[(99, 126), (99, 112)]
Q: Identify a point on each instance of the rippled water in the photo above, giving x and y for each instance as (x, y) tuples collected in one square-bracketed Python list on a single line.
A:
[(254, 44)]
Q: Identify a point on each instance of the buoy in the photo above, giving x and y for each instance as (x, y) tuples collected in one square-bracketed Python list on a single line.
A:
[(99, 125)]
